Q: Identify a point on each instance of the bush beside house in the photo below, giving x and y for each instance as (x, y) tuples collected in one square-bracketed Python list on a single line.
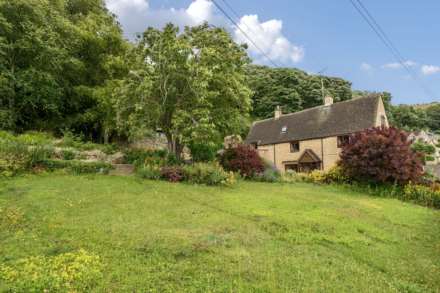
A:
[(381, 155), (242, 159)]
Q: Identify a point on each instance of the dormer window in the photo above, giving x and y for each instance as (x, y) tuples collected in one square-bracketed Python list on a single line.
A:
[(284, 129)]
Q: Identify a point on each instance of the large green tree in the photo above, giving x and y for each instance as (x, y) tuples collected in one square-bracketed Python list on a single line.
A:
[(433, 115), (54, 54), (409, 117), (292, 89), (190, 85)]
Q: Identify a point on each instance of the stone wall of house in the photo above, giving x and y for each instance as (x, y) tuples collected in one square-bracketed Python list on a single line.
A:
[(381, 113), (325, 148), (279, 154)]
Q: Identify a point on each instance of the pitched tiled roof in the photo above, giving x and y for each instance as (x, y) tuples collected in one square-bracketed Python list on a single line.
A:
[(322, 121)]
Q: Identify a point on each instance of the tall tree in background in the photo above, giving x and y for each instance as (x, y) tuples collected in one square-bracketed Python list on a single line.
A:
[(292, 89), (409, 117), (433, 115), (54, 54), (190, 85)]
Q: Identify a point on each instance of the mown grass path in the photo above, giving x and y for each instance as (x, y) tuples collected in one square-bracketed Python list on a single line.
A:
[(256, 237)]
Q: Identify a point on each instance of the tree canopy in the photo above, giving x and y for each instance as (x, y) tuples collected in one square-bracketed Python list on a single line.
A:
[(53, 56), (64, 64), (291, 88), (189, 85)]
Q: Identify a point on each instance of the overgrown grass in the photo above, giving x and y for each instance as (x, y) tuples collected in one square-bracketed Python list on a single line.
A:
[(153, 236)]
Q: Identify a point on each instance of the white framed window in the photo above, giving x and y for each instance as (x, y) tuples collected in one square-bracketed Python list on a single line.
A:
[(284, 129)]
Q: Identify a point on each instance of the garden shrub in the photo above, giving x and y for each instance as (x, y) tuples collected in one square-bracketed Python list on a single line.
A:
[(242, 159), (68, 272), (316, 176), (140, 157), (207, 173), (16, 157), (381, 155), (203, 152), (67, 154), (291, 176), (76, 167), (35, 138), (336, 175), (172, 173), (421, 194), (149, 172), (71, 140), (6, 135), (269, 175), (109, 148), (427, 150)]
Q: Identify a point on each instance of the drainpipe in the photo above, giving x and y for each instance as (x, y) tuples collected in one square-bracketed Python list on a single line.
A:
[(322, 154), (274, 157)]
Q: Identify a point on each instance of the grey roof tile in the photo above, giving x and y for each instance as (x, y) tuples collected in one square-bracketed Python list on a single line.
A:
[(322, 121)]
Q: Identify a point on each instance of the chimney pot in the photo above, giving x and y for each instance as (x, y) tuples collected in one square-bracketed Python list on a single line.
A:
[(278, 112), (328, 101)]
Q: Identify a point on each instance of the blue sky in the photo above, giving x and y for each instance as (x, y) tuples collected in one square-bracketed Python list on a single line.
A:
[(316, 34)]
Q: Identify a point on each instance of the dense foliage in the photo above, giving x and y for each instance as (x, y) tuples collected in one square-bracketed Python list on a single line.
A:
[(293, 89), (408, 117), (172, 173), (207, 173), (381, 155), (413, 117), (189, 84), (427, 150), (36, 151), (203, 152), (242, 159), (16, 157), (54, 58)]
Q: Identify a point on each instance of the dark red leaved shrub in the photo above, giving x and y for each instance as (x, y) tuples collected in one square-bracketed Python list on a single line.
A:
[(172, 173), (381, 154), (243, 159)]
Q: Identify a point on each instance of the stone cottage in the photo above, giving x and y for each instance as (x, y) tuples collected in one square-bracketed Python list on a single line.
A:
[(312, 139)]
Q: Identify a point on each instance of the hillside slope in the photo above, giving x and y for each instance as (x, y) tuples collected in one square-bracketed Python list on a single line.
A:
[(256, 237)]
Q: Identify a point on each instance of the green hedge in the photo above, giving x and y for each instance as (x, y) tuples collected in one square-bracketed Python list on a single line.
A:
[(76, 167), (199, 173)]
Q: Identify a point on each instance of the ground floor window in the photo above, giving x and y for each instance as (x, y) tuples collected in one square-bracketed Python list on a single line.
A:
[(309, 167), (291, 167), (302, 167)]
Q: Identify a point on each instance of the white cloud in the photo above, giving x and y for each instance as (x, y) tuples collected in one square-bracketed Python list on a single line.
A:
[(397, 65), (410, 63), (200, 11), (269, 38), (430, 69), (366, 67), (123, 6), (136, 15)]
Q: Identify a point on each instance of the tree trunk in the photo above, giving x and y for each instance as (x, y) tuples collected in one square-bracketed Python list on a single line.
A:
[(174, 145), (106, 135)]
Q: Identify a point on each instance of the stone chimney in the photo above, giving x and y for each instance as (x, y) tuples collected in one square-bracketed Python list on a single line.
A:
[(328, 101), (278, 112)]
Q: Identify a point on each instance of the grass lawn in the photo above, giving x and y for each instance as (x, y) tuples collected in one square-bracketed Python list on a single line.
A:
[(256, 237)]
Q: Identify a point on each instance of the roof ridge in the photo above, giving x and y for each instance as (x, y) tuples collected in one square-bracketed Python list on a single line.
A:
[(316, 107)]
